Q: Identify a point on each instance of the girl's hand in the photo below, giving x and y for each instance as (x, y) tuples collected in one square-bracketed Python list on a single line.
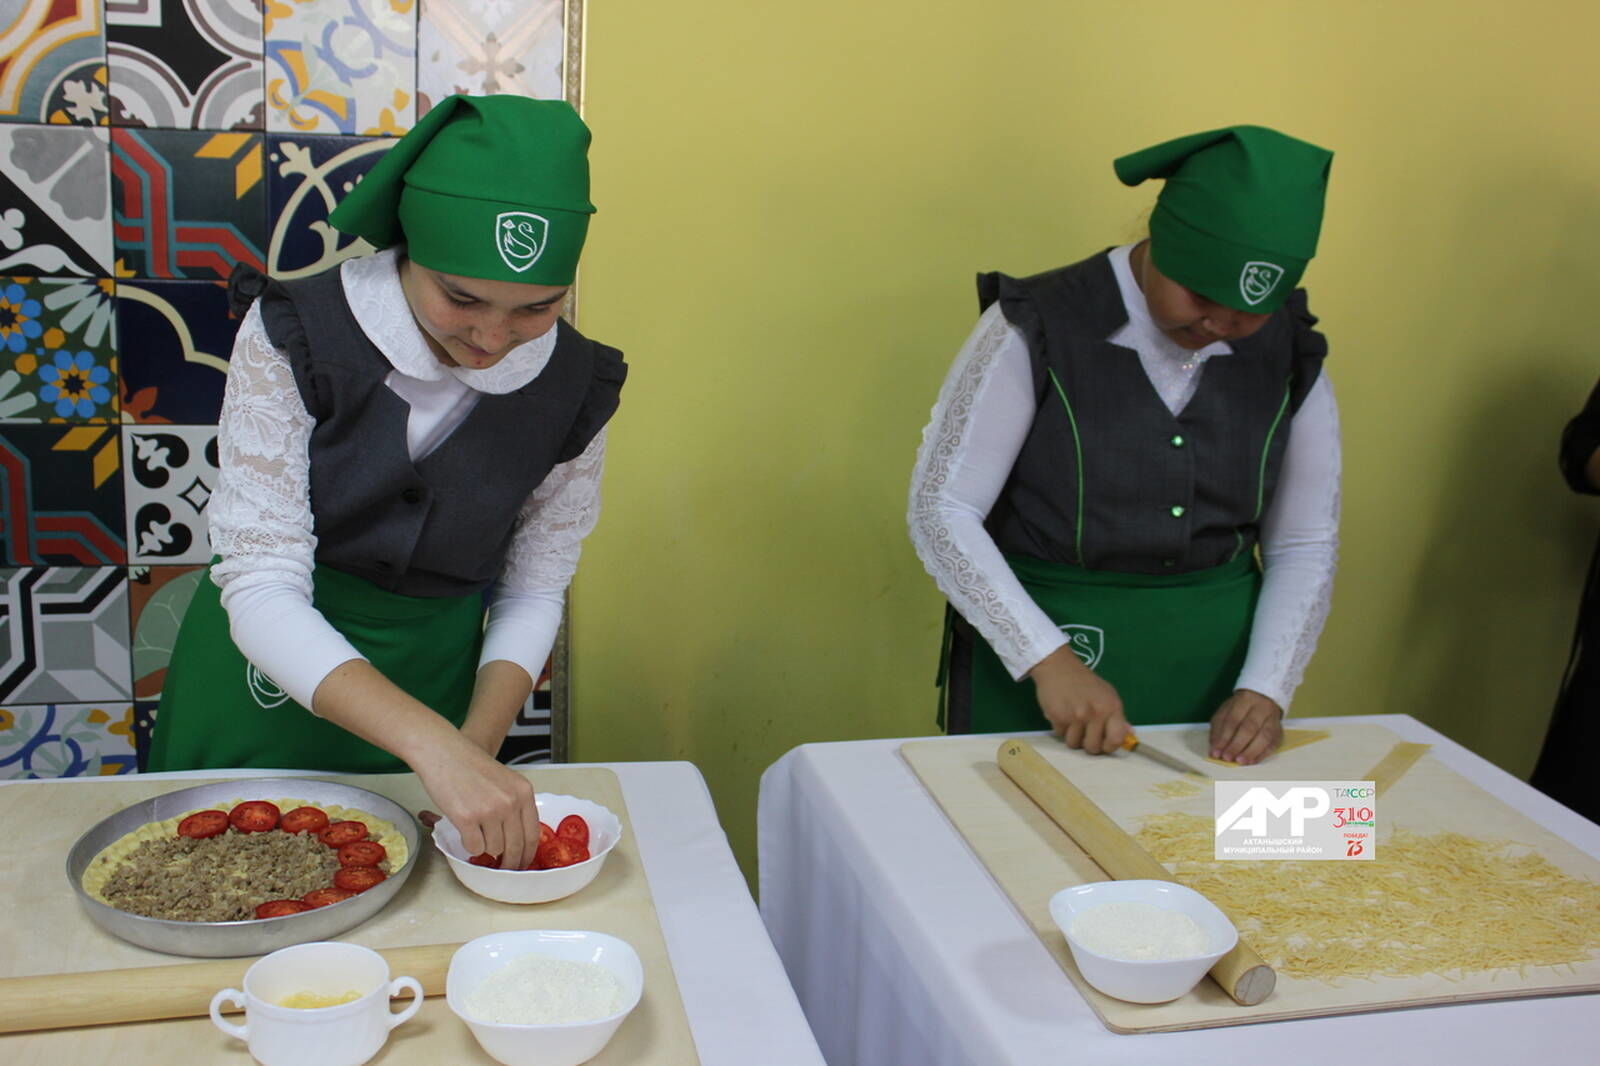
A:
[(492, 805), (1246, 728), (1082, 707)]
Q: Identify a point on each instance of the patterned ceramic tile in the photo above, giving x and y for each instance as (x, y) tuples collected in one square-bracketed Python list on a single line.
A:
[(169, 474), (67, 740), (64, 634), (348, 67), (144, 722), (528, 739), (489, 46), (55, 201), (306, 178), (52, 62), (58, 351), (158, 596), (178, 63), (187, 204), (176, 337), (60, 496)]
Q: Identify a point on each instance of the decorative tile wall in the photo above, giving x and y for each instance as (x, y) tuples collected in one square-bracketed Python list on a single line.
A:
[(147, 146)]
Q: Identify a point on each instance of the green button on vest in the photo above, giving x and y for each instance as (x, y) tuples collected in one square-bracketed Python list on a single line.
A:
[(1177, 441), (1177, 511)]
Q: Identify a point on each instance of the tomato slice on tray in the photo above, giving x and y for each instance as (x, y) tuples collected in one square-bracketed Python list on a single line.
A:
[(203, 824), (362, 853), (304, 820), (574, 828), (254, 816), (277, 908), (339, 834), (322, 897), (357, 878)]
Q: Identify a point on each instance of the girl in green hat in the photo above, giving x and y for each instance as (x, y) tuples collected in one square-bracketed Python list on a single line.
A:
[(1129, 489), (401, 437)]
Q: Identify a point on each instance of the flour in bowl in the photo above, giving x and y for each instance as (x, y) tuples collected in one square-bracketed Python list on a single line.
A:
[(539, 990), (1139, 931)]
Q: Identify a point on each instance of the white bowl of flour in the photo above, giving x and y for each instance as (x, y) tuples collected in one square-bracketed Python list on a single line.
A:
[(1142, 941)]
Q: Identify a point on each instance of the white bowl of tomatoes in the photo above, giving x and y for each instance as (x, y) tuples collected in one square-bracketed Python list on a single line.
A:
[(576, 836)]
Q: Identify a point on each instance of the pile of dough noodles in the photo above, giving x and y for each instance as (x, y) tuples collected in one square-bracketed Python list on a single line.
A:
[(1440, 903)]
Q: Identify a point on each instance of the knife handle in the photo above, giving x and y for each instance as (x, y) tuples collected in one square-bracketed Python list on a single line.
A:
[(1130, 741)]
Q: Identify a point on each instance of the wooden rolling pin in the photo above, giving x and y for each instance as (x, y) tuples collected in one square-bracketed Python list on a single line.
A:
[(1242, 973), (146, 993)]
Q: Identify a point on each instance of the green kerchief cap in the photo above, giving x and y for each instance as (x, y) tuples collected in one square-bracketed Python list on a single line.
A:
[(1238, 218), (492, 187)]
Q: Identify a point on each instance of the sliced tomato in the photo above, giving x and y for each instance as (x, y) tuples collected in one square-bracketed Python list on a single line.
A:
[(545, 833), (561, 851), (304, 820), (339, 834), (322, 897), (202, 824), (255, 816), (357, 878), (362, 853), (573, 827), (276, 908), (485, 859)]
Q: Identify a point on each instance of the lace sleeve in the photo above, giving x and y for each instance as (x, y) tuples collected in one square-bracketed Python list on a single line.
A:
[(968, 448), (1299, 552)]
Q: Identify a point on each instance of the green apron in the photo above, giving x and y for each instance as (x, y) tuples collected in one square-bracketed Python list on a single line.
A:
[(1172, 647), (218, 710)]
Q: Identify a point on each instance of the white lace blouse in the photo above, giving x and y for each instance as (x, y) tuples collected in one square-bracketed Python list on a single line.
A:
[(982, 416), (261, 522)]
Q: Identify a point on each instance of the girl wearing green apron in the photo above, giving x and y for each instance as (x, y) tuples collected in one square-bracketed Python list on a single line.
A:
[(403, 437), (1128, 491)]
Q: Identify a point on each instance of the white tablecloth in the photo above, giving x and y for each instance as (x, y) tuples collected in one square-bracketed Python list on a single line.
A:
[(739, 1003), (905, 952)]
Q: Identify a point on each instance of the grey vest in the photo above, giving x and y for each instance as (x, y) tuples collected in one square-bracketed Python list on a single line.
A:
[(1108, 478), (440, 526)]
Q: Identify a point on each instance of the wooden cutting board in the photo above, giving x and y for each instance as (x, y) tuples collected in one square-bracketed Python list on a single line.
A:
[(49, 933), (1032, 858)]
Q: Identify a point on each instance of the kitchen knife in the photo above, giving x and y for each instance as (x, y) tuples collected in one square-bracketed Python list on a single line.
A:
[(1131, 743)]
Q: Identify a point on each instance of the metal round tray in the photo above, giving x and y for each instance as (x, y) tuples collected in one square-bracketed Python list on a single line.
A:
[(258, 936)]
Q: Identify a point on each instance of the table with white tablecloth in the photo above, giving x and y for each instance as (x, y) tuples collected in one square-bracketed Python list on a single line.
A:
[(740, 1007), (904, 951)]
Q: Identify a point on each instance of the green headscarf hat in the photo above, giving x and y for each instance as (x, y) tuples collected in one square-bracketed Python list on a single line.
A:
[(1238, 218), (492, 187)]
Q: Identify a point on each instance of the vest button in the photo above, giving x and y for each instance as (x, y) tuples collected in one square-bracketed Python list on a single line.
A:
[(412, 495), (1177, 511), (1177, 440), (384, 565), (1169, 562)]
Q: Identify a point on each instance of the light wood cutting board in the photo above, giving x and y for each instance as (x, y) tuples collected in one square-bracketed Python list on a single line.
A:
[(1032, 858), (49, 933)]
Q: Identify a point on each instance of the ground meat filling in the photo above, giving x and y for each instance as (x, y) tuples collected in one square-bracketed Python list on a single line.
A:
[(221, 878)]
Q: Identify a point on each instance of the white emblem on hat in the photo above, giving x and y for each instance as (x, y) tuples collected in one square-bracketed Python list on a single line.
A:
[(519, 237), (1258, 279)]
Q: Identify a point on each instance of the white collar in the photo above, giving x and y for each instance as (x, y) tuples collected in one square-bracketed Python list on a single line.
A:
[(372, 289), (1141, 332)]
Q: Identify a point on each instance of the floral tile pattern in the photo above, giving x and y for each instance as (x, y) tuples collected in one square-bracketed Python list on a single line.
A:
[(158, 596), (306, 179), (57, 350), (52, 62), (489, 46), (64, 634), (55, 201), (176, 337), (170, 474), (341, 68), (187, 204), (144, 723), (61, 488), (67, 740), (177, 63)]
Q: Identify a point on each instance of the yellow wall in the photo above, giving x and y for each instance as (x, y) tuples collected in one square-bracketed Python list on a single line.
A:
[(794, 199)]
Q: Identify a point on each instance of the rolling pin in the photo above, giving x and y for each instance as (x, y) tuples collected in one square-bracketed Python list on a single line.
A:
[(147, 993), (1242, 973)]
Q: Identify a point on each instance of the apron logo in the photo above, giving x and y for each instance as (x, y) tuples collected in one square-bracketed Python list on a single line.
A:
[(1087, 643), (520, 238), (1258, 279), (263, 689)]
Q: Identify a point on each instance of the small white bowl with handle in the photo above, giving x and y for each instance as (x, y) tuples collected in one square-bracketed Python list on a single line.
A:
[(1143, 980)]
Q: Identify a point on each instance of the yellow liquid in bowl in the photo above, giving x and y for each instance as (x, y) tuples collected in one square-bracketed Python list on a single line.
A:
[(312, 1000)]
